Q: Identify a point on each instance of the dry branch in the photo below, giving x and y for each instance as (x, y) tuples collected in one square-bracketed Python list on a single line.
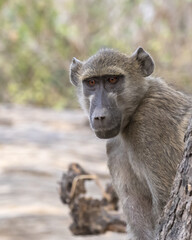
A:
[(90, 216)]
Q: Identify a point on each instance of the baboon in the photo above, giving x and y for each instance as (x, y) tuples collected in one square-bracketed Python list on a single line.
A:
[(144, 121)]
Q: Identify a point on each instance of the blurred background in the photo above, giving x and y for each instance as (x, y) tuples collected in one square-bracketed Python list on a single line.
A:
[(42, 129)]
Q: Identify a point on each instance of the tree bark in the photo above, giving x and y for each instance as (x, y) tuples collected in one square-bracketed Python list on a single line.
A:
[(176, 220)]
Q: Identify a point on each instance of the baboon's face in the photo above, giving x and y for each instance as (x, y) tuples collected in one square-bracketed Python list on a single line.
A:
[(109, 85), (104, 113)]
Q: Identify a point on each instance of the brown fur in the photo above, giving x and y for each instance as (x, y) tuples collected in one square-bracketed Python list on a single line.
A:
[(143, 157)]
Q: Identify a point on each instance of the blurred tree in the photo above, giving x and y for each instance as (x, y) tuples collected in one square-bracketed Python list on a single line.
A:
[(39, 38), (34, 54)]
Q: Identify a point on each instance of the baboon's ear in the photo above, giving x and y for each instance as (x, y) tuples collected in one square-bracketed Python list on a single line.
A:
[(145, 61), (74, 71)]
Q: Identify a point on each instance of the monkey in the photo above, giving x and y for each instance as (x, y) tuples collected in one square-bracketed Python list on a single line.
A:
[(144, 121)]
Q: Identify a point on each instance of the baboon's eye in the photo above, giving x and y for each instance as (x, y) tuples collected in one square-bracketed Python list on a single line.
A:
[(91, 82), (112, 80)]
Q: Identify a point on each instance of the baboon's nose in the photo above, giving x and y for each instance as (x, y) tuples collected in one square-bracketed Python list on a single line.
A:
[(99, 118), (99, 114), (99, 121)]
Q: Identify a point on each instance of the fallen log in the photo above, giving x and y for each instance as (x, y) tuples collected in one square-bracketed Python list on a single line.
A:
[(89, 215)]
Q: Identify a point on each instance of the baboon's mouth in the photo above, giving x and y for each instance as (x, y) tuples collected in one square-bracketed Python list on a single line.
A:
[(106, 133)]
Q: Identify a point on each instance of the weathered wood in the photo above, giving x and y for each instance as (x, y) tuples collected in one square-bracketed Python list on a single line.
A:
[(66, 183), (176, 220), (90, 216)]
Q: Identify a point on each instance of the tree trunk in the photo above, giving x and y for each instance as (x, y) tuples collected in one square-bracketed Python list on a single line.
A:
[(176, 220)]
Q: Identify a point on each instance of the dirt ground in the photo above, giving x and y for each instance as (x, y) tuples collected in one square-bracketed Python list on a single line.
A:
[(36, 146)]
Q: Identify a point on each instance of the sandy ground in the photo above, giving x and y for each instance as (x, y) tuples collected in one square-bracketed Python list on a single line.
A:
[(36, 146)]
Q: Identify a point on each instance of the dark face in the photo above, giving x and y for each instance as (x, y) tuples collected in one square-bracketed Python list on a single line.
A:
[(104, 114)]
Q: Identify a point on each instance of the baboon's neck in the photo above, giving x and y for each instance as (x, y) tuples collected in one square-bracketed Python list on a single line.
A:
[(133, 104), (160, 100)]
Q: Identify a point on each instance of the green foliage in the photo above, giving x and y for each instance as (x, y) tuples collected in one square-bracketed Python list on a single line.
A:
[(34, 55), (39, 38)]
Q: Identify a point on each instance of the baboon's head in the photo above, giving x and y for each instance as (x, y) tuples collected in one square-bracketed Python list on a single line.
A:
[(110, 86)]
